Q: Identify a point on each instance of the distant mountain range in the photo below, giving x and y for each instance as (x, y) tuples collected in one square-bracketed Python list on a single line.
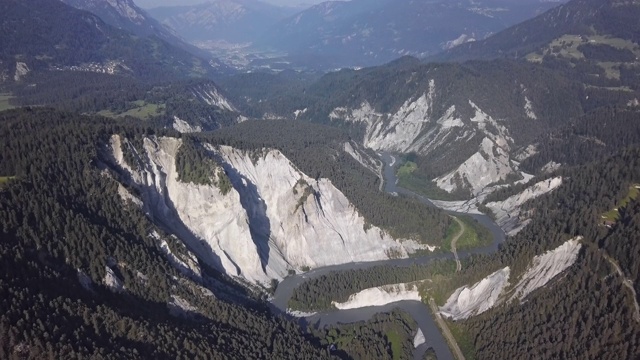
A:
[(42, 35), (366, 32), (126, 15), (470, 125), (348, 33), (611, 18), (233, 21)]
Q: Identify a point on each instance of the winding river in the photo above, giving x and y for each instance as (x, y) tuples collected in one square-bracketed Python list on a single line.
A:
[(419, 311)]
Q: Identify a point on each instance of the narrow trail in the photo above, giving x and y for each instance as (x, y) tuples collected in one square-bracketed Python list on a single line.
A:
[(457, 353), (455, 241), (626, 282)]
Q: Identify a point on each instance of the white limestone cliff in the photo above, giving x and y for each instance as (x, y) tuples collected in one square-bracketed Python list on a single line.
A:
[(310, 222), (114, 283), (213, 225), (490, 164), (507, 212), (419, 339), (494, 289), (380, 296), (417, 127), (480, 297), (545, 267), (274, 219), (184, 127), (392, 132), (21, 71)]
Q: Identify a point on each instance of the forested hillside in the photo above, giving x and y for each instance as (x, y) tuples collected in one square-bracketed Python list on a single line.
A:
[(590, 311), (64, 230), (85, 272), (49, 35), (613, 18), (595, 135)]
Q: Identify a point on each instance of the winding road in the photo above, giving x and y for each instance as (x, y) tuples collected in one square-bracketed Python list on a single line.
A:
[(454, 242), (419, 311)]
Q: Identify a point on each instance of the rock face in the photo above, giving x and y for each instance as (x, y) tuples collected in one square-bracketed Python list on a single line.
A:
[(112, 281), (474, 300), (210, 95), (380, 296), (274, 219), (309, 222), (184, 127), (21, 70), (494, 289), (419, 339), (507, 212), (490, 164), (420, 126), (545, 267)]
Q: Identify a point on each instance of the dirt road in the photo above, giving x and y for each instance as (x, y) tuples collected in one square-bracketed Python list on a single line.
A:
[(445, 331)]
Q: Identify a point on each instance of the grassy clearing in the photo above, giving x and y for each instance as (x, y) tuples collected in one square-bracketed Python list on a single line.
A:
[(140, 110), (4, 180), (396, 344), (439, 287), (465, 342), (4, 102), (610, 88), (614, 214), (611, 70), (409, 179), (452, 232), (474, 235), (566, 46)]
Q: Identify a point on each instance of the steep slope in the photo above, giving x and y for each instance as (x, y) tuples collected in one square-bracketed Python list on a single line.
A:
[(365, 32), (272, 218), (576, 17), (464, 122), (587, 300), (597, 134), (42, 36), (85, 274), (126, 15), (232, 21)]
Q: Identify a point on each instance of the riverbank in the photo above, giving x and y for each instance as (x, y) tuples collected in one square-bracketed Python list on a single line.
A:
[(420, 311)]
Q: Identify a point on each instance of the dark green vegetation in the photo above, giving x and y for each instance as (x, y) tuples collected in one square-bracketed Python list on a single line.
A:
[(195, 164), (317, 151), (60, 216), (260, 93), (386, 336), (411, 179), (123, 96), (473, 235), (614, 214), (590, 301), (59, 37), (319, 293), (598, 134), (5, 102)]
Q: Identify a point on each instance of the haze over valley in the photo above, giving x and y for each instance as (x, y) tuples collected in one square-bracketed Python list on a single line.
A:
[(364, 179)]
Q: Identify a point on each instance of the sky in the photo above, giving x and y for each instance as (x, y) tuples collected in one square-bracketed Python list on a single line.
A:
[(155, 3)]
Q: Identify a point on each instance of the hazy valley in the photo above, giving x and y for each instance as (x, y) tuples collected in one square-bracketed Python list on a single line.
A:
[(349, 180)]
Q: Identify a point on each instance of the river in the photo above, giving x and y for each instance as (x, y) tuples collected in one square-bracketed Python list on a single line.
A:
[(419, 311)]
